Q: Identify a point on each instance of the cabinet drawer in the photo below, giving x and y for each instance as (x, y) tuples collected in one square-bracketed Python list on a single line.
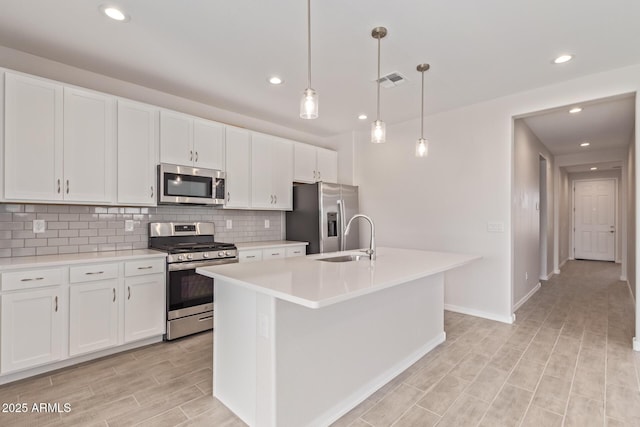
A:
[(32, 279), (273, 253), (250, 256), (296, 251), (144, 266), (93, 272)]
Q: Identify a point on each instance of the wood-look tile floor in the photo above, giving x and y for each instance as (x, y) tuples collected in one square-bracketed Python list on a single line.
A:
[(567, 361)]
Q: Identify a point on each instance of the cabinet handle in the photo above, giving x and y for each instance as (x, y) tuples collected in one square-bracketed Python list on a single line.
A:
[(190, 155), (145, 268), (30, 279), (114, 294), (275, 198), (275, 254), (128, 292), (228, 196), (319, 176), (314, 174), (56, 304), (196, 156), (152, 191), (251, 256), (67, 186), (271, 199), (89, 273), (58, 186)]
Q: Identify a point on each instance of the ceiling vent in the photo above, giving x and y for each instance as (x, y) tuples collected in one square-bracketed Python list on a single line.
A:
[(392, 80)]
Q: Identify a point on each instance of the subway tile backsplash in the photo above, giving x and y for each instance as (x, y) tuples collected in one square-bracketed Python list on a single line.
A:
[(75, 229)]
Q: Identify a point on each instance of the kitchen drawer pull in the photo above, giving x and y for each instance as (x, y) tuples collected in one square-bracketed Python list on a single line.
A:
[(251, 256), (145, 268), (275, 254), (114, 294), (202, 319), (31, 279), (58, 186), (196, 156), (89, 273), (128, 292), (67, 186), (56, 302)]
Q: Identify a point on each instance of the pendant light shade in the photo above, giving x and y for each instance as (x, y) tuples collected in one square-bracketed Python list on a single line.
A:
[(309, 101), (422, 146), (378, 128)]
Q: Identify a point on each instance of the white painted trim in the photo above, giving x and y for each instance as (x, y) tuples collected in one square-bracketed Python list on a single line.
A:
[(15, 376), (363, 393), (624, 279), (478, 313), (636, 344), (630, 290), (562, 264), (525, 298), (548, 276)]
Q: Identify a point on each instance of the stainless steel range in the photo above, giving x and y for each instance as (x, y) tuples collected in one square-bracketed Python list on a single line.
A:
[(189, 295)]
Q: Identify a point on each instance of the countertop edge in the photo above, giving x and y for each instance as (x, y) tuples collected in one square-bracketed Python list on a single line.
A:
[(79, 258)]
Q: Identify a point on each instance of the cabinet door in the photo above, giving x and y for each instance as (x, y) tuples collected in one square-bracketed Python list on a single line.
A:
[(327, 161), (208, 144), (31, 329), (137, 153), (176, 138), (282, 170), (33, 139), (93, 316), (144, 308), (304, 163), (262, 171), (89, 146), (238, 161)]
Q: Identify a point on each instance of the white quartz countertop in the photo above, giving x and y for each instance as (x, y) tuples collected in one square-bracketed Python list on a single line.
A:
[(315, 284), (268, 244), (81, 258)]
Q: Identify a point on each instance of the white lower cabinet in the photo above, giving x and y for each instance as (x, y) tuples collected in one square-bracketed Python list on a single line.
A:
[(93, 316), (32, 328), (275, 252), (144, 308)]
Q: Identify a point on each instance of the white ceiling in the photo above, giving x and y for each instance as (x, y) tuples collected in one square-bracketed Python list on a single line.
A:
[(221, 52)]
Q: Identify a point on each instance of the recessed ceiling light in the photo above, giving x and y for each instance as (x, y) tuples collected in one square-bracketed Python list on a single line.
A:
[(575, 110), (562, 59), (275, 80), (115, 13), (594, 168), (585, 144), (362, 117)]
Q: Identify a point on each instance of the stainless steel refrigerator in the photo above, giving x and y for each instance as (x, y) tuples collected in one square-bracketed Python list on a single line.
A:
[(320, 214)]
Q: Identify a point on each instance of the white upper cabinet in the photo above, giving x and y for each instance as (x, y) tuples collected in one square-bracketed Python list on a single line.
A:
[(59, 142), (189, 141), (137, 153), (271, 172), (238, 175), (33, 139), (89, 146), (313, 164)]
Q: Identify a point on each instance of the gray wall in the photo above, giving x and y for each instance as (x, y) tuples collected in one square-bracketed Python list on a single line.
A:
[(631, 217), (75, 229)]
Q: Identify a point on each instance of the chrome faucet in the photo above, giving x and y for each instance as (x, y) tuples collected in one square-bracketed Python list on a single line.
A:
[(372, 243)]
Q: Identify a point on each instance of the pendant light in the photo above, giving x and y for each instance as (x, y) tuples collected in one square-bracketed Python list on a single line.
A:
[(378, 130), (422, 146), (309, 101)]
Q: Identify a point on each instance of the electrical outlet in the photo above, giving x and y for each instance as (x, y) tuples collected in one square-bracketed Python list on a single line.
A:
[(128, 225), (266, 223), (39, 225), (229, 224)]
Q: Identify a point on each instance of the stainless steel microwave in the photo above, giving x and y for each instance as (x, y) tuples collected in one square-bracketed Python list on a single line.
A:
[(188, 185)]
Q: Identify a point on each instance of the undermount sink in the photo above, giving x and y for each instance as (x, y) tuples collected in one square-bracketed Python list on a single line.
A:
[(344, 258)]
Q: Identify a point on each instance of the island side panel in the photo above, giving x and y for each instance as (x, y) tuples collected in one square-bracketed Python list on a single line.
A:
[(330, 359), (234, 349)]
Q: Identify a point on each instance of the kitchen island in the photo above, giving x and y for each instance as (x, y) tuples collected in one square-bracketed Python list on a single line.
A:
[(300, 341)]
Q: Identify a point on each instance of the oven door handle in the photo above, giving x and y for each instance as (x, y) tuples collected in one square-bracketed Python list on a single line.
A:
[(179, 266)]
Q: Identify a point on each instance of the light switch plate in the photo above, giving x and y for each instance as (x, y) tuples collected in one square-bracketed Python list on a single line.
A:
[(229, 224), (266, 223), (39, 225), (128, 225), (495, 227)]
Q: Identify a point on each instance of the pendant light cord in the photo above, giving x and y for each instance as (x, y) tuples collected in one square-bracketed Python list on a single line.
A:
[(378, 113), (309, 40), (422, 109)]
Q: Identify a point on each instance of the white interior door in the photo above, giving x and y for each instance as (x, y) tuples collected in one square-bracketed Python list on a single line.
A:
[(594, 220)]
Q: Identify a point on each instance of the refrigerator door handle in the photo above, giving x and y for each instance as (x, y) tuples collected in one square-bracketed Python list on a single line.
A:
[(341, 242)]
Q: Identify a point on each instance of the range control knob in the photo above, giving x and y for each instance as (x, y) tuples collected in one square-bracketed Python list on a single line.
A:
[(220, 254), (205, 255), (180, 257), (227, 253), (189, 256)]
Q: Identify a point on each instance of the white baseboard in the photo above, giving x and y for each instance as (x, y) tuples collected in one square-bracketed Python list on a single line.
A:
[(636, 344), (618, 261), (525, 298), (478, 313), (562, 265), (630, 290), (548, 276), (623, 278)]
